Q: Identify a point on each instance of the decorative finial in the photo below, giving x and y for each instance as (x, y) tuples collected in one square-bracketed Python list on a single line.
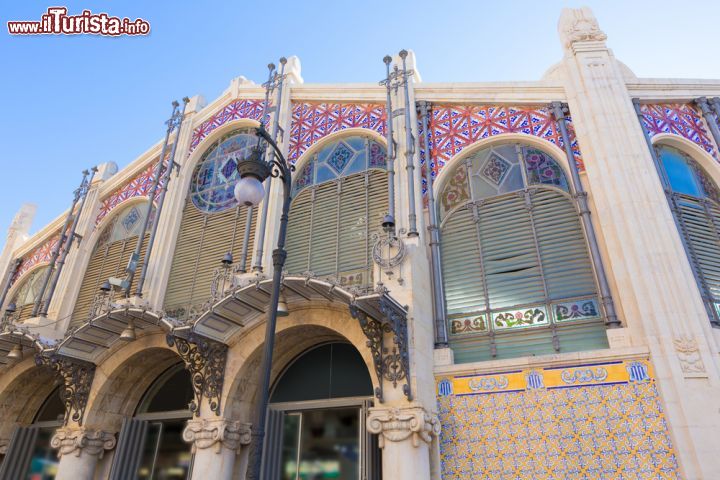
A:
[(283, 60), (403, 53), (387, 59), (271, 66), (186, 100), (175, 104)]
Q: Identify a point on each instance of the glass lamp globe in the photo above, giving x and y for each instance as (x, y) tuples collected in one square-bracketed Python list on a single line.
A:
[(249, 191)]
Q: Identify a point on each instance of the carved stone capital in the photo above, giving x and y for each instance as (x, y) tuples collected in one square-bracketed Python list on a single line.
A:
[(579, 25), (71, 440), (217, 433), (396, 424), (4, 442)]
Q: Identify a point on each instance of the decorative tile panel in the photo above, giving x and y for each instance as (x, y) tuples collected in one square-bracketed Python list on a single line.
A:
[(242, 108), (679, 119), (576, 310), (313, 121), (454, 127), (470, 324), (594, 421), (139, 186), (520, 318), (39, 255)]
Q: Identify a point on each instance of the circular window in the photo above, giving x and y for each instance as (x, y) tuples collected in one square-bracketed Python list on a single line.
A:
[(214, 179)]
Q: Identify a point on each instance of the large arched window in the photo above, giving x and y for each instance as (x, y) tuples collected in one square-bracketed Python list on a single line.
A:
[(111, 255), (695, 202), (213, 224), (517, 275), (340, 197), (26, 294)]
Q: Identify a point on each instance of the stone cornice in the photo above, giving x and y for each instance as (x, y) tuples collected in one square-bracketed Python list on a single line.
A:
[(76, 441), (397, 424), (217, 433)]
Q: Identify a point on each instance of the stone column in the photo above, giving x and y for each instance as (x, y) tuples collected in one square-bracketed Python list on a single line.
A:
[(216, 442), (405, 435), (655, 285), (79, 450)]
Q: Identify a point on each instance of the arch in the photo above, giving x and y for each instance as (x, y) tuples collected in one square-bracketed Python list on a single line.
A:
[(123, 376), (708, 163), (23, 389), (553, 150), (307, 326), (334, 137), (21, 280)]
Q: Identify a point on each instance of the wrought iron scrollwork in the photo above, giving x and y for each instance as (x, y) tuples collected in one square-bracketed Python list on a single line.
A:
[(76, 379), (391, 364), (205, 360)]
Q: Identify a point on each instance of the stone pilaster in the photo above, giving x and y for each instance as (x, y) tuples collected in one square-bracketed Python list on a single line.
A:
[(405, 435), (216, 442), (79, 450)]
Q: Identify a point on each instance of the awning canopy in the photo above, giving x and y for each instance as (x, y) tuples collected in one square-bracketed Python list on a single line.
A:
[(93, 338), (12, 336)]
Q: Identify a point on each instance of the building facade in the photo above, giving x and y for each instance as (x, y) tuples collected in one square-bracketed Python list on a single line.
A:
[(545, 302)]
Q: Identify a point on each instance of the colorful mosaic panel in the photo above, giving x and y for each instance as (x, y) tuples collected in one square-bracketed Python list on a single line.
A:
[(139, 186), (242, 108), (454, 127), (313, 121), (679, 119), (39, 255), (595, 421)]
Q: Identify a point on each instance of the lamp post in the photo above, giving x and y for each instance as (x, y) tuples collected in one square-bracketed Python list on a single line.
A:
[(249, 191)]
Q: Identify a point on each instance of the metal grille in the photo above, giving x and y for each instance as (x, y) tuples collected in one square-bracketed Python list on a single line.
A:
[(331, 227), (203, 240), (519, 252)]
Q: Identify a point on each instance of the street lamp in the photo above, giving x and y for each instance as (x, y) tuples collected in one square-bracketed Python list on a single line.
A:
[(249, 191)]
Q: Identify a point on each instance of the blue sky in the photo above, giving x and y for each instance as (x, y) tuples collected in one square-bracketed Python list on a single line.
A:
[(73, 102)]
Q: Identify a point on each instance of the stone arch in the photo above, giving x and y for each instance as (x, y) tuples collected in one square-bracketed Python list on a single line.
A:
[(20, 281), (334, 137), (551, 149), (23, 389), (307, 326), (708, 163), (122, 378)]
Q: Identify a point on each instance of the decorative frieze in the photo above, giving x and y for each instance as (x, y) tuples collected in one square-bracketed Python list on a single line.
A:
[(397, 424), (217, 433), (78, 441)]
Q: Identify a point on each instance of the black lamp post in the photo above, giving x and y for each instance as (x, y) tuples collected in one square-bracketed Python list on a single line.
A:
[(249, 191)]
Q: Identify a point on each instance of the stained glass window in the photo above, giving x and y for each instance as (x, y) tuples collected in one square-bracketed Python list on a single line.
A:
[(517, 275), (497, 170), (213, 181), (695, 203), (339, 159), (30, 287)]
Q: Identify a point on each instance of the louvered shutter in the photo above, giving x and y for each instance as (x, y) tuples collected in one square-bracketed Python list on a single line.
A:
[(203, 240), (699, 221), (324, 233), (109, 260), (19, 453), (129, 449)]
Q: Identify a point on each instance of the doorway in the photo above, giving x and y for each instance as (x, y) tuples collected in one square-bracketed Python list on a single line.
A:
[(316, 419)]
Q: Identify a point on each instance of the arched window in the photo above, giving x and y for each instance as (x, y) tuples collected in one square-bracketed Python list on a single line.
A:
[(695, 202), (340, 197), (517, 275), (111, 255), (25, 295), (212, 225)]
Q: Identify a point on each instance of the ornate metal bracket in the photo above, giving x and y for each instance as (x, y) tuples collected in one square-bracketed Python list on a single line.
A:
[(76, 378), (205, 360), (391, 364)]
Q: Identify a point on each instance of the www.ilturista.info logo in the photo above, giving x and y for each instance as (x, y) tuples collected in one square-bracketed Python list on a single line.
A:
[(57, 22)]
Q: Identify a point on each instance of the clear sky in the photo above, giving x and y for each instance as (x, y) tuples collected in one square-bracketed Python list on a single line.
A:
[(72, 102)]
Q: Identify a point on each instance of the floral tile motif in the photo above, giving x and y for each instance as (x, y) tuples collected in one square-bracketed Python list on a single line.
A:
[(241, 108), (340, 157), (590, 422), (526, 317), (312, 121), (679, 119), (471, 324), (139, 186), (576, 310), (454, 127)]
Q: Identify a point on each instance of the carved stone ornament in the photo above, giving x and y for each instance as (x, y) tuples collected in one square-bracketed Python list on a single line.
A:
[(689, 355), (579, 25), (217, 433), (76, 379), (396, 424), (76, 441), (205, 360), (4, 442)]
